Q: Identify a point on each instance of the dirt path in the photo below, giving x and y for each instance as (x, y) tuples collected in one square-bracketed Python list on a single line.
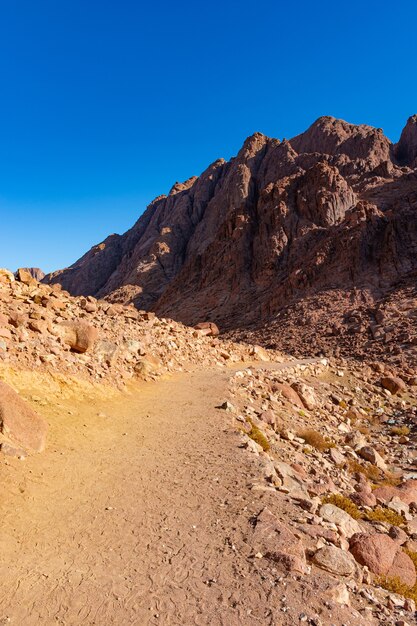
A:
[(132, 517)]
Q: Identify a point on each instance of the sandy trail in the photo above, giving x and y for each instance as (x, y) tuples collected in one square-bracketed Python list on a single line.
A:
[(133, 518)]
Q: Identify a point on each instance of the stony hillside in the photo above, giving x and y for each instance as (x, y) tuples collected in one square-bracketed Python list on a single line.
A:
[(329, 216)]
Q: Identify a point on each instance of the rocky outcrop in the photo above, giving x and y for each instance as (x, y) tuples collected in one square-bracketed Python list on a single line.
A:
[(331, 209), (34, 272)]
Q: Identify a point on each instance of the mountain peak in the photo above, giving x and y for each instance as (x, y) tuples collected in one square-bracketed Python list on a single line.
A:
[(406, 148)]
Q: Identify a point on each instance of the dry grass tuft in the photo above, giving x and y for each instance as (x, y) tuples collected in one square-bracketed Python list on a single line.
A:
[(370, 471), (316, 440), (383, 514), (257, 435), (343, 503), (394, 585), (402, 431)]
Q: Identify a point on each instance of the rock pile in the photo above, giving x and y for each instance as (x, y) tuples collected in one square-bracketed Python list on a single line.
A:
[(42, 326)]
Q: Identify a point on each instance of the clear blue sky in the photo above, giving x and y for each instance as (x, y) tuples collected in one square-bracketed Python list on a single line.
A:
[(105, 104)]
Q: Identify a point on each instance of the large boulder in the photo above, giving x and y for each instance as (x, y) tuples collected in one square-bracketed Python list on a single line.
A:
[(289, 394), (19, 423), (307, 395), (406, 492), (383, 556), (24, 275), (78, 335), (393, 384)]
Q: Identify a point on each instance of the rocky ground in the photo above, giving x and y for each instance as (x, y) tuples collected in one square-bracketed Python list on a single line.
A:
[(336, 442), (349, 324), (206, 482)]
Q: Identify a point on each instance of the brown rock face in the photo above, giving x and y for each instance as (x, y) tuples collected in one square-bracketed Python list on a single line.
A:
[(19, 423), (383, 556), (285, 238)]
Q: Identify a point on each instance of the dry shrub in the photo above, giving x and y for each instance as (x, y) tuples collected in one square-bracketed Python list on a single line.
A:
[(342, 502), (402, 431), (316, 440), (257, 435), (383, 514), (395, 585), (371, 472)]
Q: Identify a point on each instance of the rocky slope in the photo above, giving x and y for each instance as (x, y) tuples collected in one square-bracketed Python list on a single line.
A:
[(329, 215)]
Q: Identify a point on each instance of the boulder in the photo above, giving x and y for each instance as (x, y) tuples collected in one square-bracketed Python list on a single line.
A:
[(345, 523), (307, 395), (289, 394), (372, 456), (336, 561), (383, 556), (78, 335), (24, 276), (19, 423), (406, 492), (393, 384)]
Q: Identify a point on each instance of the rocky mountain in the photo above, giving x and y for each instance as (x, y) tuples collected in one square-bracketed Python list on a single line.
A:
[(328, 217)]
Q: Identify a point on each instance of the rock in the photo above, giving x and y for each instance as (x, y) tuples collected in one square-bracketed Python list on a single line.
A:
[(363, 497), (5, 333), (11, 450), (394, 384), (345, 523), (397, 505), (292, 481), (336, 456), (356, 440), (289, 393), (24, 276), (147, 366), (78, 335), (339, 594), (398, 535), (383, 556), (336, 561), (277, 542), (307, 395), (259, 353), (6, 276), (19, 423), (210, 328), (406, 492), (372, 456), (226, 406)]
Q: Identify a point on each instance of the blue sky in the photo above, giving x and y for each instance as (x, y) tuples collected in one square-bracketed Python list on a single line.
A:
[(105, 104)]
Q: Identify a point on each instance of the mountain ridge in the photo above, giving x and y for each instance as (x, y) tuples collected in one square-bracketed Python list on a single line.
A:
[(332, 208)]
